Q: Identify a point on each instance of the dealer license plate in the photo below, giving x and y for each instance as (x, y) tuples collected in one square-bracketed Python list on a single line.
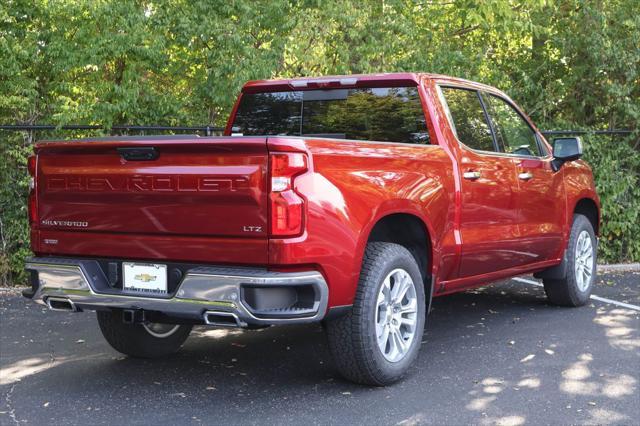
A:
[(145, 277)]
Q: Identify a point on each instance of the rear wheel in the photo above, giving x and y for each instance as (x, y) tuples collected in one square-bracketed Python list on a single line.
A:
[(379, 339), (581, 255), (145, 340)]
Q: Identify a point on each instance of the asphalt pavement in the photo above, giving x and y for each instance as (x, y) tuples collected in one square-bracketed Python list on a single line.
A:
[(496, 355)]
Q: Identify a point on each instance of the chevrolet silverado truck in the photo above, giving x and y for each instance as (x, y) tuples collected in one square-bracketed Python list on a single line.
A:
[(348, 200)]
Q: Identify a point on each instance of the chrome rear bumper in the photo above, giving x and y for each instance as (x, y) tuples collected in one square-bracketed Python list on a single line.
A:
[(210, 295)]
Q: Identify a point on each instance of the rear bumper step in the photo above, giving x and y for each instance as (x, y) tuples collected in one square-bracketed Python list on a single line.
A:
[(218, 296)]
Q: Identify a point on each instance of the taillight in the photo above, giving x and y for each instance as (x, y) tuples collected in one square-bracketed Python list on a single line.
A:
[(33, 208), (31, 165), (286, 206)]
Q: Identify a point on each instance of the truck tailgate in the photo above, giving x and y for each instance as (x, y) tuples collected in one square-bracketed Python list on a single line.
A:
[(199, 187)]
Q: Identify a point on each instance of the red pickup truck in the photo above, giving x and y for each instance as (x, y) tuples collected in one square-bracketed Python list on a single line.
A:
[(349, 200)]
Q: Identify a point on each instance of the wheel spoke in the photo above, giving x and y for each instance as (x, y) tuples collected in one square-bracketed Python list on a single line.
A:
[(386, 288), (589, 262), (586, 249), (383, 336), (400, 286), (408, 321), (380, 323), (400, 343), (393, 346), (410, 307), (402, 292)]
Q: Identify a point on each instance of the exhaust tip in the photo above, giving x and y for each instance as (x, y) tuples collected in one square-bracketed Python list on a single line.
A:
[(61, 304), (222, 319)]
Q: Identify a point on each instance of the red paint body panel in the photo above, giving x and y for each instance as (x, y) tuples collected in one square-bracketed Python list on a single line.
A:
[(195, 187), (579, 185), (351, 186), (541, 209), (194, 202), (189, 249), (488, 218)]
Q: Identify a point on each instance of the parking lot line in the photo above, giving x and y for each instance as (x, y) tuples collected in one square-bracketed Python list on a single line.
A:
[(593, 296)]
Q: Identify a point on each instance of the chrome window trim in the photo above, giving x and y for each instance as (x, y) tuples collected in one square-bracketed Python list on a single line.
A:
[(423, 145), (517, 111), (488, 118), (501, 154), (452, 124)]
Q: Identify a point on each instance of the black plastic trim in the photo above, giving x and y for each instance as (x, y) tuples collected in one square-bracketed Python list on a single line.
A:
[(557, 272), (142, 153), (337, 312)]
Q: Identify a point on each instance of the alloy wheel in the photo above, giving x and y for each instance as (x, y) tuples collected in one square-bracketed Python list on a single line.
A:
[(396, 315), (159, 330), (584, 261)]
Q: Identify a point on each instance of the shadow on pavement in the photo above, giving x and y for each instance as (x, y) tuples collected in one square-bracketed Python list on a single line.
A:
[(497, 355)]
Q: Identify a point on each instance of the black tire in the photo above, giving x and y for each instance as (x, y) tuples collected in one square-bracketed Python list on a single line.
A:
[(566, 291), (135, 340), (352, 338)]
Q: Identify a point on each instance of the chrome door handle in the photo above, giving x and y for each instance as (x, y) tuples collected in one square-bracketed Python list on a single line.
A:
[(525, 176), (471, 175)]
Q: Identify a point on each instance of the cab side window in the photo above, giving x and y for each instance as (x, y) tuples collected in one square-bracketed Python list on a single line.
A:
[(468, 118), (513, 133)]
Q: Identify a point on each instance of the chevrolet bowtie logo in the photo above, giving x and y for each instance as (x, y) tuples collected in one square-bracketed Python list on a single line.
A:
[(145, 277)]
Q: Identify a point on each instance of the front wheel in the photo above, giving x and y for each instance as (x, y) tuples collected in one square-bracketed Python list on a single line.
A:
[(146, 340), (580, 256), (376, 343)]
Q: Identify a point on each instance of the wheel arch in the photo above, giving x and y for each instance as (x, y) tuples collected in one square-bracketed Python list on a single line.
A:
[(412, 232), (589, 208)]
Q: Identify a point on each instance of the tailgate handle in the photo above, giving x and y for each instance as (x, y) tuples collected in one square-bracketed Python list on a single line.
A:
[(143, 153)]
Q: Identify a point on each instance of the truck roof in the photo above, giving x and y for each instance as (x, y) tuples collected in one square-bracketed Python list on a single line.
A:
[(355, 80)]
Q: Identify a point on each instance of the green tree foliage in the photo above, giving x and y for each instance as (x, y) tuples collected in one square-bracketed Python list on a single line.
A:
[(569, 63)]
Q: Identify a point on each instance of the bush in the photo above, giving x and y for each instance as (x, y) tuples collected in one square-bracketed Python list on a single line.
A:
[(570, 65), (14, 227), (616, 168)]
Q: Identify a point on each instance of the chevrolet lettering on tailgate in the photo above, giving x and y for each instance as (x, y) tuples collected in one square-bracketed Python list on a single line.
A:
[(147, 183)]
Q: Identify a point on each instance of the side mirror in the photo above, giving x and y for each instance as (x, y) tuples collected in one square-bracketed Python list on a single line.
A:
[(565, 149)]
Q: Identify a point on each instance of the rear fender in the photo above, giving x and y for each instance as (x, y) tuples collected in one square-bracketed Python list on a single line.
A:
[(398, 206)]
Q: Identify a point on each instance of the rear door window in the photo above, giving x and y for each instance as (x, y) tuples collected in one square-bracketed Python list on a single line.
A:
[(387, 114), (468, 118), (513, 133)]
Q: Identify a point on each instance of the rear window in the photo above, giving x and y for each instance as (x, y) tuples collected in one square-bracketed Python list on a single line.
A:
[(392, 114)]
